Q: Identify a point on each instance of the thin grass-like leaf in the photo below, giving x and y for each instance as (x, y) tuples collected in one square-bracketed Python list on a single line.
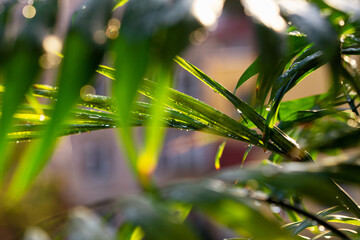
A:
[(251, 71), (120, 3), (155, 133), (211, 197), (279, 138), (202, 112), (297, 227), (288, 80), (246, 153), (22, 69), (82, 56), (321, 179), (219, 154)]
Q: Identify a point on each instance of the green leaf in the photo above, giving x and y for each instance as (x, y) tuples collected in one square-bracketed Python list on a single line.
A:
[(251, 71), (120, 3), (212, 198), (280, 138), (22, 69), (348, 7), (155, 132), (151, 216), (131, 63), (297, 227), (285, 82), (4, 17), (82, 54), (303, 16), (246, 154), (289, 108), (219, 154), (199, 111), (319, 177)]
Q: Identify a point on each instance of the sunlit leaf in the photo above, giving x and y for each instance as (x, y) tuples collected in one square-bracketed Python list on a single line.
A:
[(120, 3), (82, 54), (211, 198), (22, 68), (219, 154), (281, 139)]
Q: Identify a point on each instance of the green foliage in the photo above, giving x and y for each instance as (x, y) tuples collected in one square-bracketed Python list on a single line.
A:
[(296, 41)]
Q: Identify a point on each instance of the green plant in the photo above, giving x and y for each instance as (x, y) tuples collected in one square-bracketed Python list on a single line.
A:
[(293, 42)]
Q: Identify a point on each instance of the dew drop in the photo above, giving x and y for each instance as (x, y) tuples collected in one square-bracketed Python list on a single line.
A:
[(268, 108), (275, 209), (257, 203)]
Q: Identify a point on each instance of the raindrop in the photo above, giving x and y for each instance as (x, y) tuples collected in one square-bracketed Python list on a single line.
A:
[(257, 203), (275, 209), (268, 108)]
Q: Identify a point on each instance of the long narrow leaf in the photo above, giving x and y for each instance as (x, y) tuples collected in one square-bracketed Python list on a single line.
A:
[(280, 138)]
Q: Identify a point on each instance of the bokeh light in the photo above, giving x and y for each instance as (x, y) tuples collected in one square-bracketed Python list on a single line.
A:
[(29, 11)]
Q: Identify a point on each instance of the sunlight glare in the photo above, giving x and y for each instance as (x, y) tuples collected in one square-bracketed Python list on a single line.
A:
[(207, 11), (266, 12)]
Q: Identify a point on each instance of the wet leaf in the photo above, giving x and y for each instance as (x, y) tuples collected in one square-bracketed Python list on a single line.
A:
[(82, 54), (281, 139), (211, 198), (22, 68)]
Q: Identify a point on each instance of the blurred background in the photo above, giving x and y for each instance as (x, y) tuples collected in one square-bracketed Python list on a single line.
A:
[(89, 167)]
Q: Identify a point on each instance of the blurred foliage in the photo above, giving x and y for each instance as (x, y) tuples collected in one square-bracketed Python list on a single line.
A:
[(295, 38)]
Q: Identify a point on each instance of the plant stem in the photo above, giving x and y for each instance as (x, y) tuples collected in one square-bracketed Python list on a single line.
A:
[(320, 221)]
